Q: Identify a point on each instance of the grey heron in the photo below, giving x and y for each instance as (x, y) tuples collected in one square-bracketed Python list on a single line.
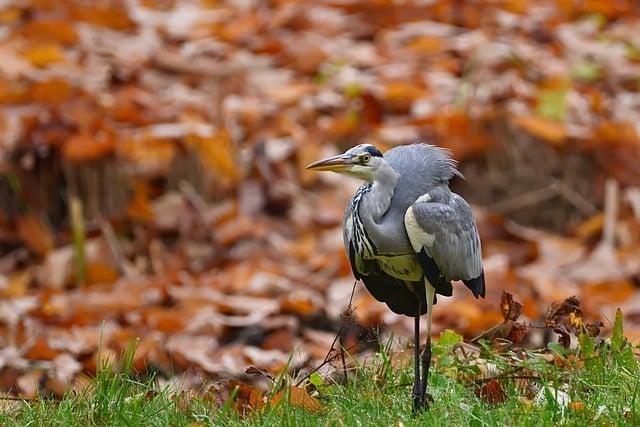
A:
[(407, 235)]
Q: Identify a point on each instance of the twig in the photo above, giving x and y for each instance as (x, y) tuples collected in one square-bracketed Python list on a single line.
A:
[(200, 207), (576, 199), (78, 231), (332, 349), (113, 245), (610, 212), (527, 199)]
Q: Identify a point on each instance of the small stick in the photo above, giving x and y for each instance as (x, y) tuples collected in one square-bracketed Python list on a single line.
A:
[(610, 212), (328, 357)]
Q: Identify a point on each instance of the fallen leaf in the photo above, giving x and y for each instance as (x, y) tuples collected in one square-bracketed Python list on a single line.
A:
[(247, 398), (576, 405), (298, 398), (51, 92), (35, 233), (492, 392), (42, 55), (510, 308), (545, 129), (87, 147), (99, 272), (50, 30)]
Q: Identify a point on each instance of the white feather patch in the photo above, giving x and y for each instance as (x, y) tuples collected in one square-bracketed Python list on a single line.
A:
[(348, 225), (417, 236), (426, 197)]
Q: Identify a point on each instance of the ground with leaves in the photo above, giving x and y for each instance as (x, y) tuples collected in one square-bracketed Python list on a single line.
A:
[(153, 187), (487, 384)]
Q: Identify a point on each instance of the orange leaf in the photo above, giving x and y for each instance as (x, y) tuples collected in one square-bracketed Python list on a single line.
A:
[(9, 15), (44, 54), (35, 234), (548, 130), (297, 304), (52, 92), (99, 272), (148, 150), (104, 15), (591, 227), (86, 147), (427, 44), (13, 92), (16, 285), (402, 91), (41, 350), (617, 132), (50, 30), (299, 398), (217, 153), (139, 208), (576, 406)]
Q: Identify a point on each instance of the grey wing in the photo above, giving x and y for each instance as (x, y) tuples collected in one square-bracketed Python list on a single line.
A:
[(446, 230)]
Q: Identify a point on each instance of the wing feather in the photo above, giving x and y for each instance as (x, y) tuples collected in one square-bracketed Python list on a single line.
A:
[(444, 226)]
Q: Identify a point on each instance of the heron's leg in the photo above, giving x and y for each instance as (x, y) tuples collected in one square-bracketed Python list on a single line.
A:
[(417, 380), (426, 355)]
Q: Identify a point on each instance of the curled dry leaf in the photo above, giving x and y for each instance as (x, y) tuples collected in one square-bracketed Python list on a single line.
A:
[(299, 398), (247, 398), (567, 312), (511, 309), (492, 392)]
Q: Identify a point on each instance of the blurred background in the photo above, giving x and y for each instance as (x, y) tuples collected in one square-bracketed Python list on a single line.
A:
[(152, 181)]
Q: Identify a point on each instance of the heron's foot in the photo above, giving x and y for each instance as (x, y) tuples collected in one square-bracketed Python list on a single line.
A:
[(421, 403), (417, 395)]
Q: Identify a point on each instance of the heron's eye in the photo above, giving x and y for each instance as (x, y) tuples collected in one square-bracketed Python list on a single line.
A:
[(366, 158)]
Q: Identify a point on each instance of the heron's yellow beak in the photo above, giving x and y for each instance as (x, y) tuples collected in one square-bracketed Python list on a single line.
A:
[(338, 163)]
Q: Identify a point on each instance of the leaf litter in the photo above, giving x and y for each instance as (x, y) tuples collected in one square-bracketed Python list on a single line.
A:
[(186, 126)]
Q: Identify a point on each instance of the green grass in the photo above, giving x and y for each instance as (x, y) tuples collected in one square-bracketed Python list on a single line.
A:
[(607, 383)]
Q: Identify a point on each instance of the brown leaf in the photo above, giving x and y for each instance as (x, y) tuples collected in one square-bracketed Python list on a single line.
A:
[(492, 392), (35, 234), (511, 309), (565, 336), (51, 92), (247, 398), (593, 329), (41, 350), (100, 272), (517, 333), (299, 398), (560, 312)]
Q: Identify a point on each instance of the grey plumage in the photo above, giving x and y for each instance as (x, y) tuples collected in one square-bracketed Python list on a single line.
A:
[(456, 251), (407, 235)]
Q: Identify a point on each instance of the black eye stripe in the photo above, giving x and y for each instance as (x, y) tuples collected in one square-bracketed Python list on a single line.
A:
[(373, 151)]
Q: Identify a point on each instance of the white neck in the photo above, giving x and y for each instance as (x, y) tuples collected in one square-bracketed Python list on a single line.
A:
[(376, 201)]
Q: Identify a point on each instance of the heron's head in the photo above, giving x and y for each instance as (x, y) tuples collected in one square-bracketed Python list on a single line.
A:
[(362, 161)]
